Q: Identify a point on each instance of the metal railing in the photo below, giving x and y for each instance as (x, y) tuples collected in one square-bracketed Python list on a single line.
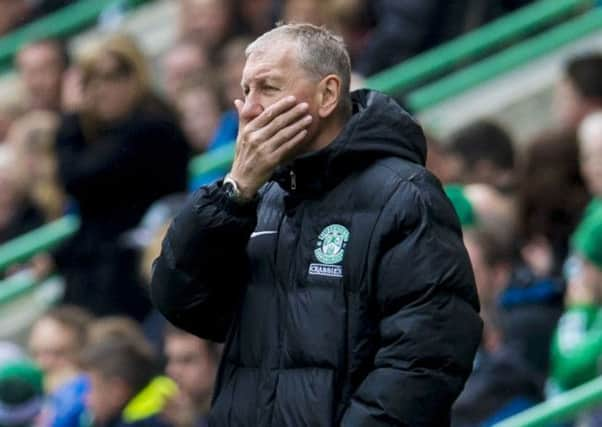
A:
[(40, 240), (563, 407), (505, 61), (446, 57)]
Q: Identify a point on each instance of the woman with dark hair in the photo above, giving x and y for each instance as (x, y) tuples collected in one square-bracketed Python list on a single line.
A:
[(551, 199), (123, 151)]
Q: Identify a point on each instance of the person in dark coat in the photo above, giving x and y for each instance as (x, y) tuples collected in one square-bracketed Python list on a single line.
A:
[(118, 156), (18, 214), (329, 259)]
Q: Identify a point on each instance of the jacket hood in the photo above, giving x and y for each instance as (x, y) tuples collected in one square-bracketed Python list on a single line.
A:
[(379, 127)]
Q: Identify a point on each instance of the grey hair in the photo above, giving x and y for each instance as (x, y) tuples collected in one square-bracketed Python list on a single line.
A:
[(320, 53)]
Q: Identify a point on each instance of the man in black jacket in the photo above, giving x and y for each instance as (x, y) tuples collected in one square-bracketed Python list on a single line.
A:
[(329, 259)]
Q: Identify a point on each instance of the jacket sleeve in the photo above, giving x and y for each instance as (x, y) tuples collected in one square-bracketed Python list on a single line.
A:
[(199, 276), (427, 313), (577, 347)]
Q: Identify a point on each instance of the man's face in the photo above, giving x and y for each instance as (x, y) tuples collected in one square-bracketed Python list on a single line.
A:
[(270, 75), (41, 69), (190, 365)]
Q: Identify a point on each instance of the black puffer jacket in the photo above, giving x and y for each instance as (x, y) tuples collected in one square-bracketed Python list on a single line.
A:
[(372, 322)]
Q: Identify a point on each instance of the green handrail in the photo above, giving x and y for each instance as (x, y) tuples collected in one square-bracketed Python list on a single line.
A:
[(15, 286), (505, 61), (562, 407), (64, 22), (217, 159), (482, 40), (36, 241)]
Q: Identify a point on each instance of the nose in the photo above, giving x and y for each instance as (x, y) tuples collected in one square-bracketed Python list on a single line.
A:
[(250, 109)]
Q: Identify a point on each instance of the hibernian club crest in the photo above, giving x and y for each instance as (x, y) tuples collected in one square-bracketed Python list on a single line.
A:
[(330, 247)]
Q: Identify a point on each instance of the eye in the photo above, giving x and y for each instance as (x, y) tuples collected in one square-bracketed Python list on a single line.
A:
[(269, 88)]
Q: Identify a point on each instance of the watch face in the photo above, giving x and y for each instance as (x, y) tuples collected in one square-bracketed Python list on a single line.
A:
[(229, 190)]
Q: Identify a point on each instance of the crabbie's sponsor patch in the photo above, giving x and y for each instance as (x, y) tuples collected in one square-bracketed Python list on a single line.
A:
[(326, 270)]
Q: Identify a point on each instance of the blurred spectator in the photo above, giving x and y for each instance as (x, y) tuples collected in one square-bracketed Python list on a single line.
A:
[(72, 96), (41, 65), (121, 328), (55, 342), (590, 157), (21, 393), (399, 29), (501, 384), (552, 197), (14, 13), (182, 62), (207, 22), (17, 12), (436, 160), (491, 261), (33, 137), (577, 346), (317, 12), (198, 104), (257, 16), (17, 212), (579, 91), (192, 363), (124, 389), (495, 212), (482, 152), (116, 157), (231, 65), (529, 306), (9, 112), (146, 239)]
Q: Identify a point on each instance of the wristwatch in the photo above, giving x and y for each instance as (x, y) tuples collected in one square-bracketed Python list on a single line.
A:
[(232, 191)]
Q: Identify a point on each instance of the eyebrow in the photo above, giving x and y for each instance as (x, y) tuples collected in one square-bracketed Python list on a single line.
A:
[(267, 75)]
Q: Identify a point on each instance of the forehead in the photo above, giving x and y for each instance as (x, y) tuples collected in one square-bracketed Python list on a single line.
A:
[(279, 60)]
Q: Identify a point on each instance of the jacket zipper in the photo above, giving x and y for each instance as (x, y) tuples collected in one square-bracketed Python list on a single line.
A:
[(293, 180)]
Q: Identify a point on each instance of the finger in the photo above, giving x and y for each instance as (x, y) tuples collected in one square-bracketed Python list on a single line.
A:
[(283, 120), (289, 150), (288, 132), (272, 111)]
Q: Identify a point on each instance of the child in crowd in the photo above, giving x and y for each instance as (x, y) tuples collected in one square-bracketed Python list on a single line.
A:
[(123, 386)]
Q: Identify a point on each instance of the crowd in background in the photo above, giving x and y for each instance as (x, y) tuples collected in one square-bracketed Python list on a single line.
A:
[(94, 136)]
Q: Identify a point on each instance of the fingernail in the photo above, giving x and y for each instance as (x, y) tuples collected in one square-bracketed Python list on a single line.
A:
[(303, 106), (308, 118), (290, 98)]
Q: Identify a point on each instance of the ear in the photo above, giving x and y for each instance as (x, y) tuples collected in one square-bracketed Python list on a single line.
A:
[(329, 95)]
